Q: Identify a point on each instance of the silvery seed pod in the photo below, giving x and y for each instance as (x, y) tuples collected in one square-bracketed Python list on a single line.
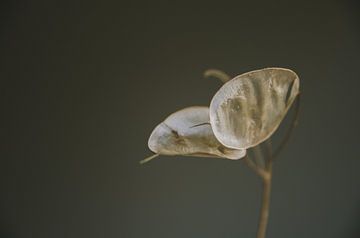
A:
[(188, 132), (249, 108)]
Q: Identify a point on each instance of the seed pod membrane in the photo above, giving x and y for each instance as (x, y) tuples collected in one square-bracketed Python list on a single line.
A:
[(250, 107), (188, 132)]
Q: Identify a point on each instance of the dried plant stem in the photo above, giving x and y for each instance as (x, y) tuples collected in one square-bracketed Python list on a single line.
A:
[(148, 158), (265, 175), (265, 206), (258, 156), (268, 152), (217, 74), (258, 170)]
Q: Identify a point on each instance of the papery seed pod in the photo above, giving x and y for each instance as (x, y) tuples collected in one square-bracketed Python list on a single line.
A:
[(250, 107), (188, 132)]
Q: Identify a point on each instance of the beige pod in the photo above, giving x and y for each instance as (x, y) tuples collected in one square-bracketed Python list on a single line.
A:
[(249, 108), (188, 132)]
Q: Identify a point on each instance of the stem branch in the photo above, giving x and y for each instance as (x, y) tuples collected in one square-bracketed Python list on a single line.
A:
[(258, 170), (264, 212), (217, 74), (258, 156)]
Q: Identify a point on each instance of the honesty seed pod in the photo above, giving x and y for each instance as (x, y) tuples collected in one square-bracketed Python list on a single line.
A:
[(188, 132), (249, 108)]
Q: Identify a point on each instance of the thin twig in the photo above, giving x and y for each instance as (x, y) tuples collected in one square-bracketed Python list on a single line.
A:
[(268, 152), (258, 156), (217, 74), (259, 171), (148, 159), (290, 129), (265, 205)]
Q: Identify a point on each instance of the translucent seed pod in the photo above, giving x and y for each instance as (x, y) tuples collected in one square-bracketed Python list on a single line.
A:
[(249, 108), (188, 132)]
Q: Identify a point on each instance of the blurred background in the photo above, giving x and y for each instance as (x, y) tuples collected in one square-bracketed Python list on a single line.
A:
[(83, 84)]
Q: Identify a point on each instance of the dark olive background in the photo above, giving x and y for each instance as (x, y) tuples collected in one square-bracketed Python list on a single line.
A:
[(84, 84)]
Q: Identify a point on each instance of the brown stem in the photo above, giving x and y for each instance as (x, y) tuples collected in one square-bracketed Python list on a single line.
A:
[(258, 156), (148, 158), (217, 74), (257, 169), (264, 212)]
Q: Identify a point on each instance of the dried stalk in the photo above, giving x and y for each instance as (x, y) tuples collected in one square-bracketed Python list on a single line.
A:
[(258, 170), (265, 206), (149, 158), (259, 159), (217, 74)]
